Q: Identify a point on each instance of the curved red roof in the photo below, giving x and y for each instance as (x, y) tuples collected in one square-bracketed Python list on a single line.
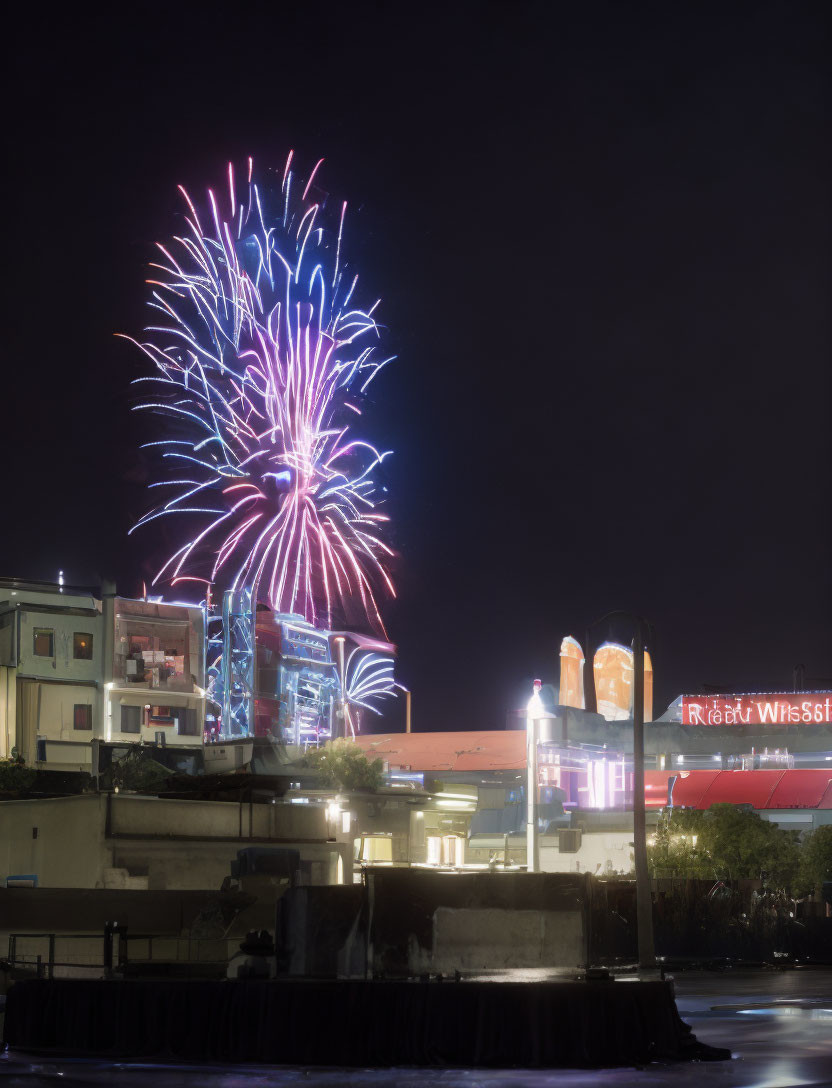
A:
[(740, 788), (803, 788), (690, 787), (762, 789)]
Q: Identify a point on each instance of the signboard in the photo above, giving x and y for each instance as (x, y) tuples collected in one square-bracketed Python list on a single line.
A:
[(790, 708)]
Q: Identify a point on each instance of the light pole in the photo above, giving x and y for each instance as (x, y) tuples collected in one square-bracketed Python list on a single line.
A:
[(342, 684), (644, 898), (406, 691), (534, 711)]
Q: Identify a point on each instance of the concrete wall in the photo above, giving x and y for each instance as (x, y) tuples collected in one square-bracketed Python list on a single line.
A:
[(147, 817), (405, 922), (491, 939), (60, 839), (152, 842)]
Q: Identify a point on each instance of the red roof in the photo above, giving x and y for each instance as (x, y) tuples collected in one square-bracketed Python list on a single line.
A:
[(505, 750), (655, 789), (804, 788), (492, 750), (740, 788), (691, 787), (801, 789)]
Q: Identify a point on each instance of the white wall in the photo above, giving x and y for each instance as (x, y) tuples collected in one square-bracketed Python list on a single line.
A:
[(69, 850), (109, 725), (8, 709), (601, 852), (179, 845), (62, 665)]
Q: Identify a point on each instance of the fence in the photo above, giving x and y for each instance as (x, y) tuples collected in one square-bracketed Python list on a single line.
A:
[(115, 951), (708, 920)]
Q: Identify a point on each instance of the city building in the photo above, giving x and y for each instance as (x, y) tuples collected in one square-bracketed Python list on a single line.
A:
[(80, 669), (769, 752)]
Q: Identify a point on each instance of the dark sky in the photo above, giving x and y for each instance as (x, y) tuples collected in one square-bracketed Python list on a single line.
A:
[(601, 233)]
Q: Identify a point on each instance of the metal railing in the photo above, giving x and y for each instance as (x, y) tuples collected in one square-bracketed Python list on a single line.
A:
[(115, 951)]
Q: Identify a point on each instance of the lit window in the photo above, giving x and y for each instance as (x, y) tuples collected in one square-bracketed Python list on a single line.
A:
[(44, 642), (82, 646), (434, 849), (82, 716), (131, 719)]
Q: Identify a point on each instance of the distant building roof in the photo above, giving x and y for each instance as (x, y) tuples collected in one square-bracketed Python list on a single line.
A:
[(487, 750), (762, 789)]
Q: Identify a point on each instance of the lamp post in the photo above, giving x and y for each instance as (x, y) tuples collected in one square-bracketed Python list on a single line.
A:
[(644, 898), (534, 711), (406, 691), (341, 728)]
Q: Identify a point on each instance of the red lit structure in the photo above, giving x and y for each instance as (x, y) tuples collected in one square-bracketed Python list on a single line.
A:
[(808, 788)]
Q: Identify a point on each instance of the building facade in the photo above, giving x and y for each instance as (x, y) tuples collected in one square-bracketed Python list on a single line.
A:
[(79, 667)]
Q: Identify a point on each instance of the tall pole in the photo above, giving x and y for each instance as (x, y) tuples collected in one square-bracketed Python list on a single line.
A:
[(644, 899), (341, 728), (590, 700), (533, 712), (407, 711)]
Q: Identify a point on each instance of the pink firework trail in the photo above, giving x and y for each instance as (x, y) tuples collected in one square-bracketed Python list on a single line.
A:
[(261, 361)]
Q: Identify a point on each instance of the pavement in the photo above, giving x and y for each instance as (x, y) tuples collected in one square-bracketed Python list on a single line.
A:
[(777, 1025)]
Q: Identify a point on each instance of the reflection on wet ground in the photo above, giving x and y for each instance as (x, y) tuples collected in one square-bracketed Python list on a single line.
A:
[(777, 1024)]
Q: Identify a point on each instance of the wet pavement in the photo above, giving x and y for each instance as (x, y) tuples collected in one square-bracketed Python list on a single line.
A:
[(777, 1024)]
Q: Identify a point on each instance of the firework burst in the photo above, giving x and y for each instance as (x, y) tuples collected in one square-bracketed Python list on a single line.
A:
[(262, 358)]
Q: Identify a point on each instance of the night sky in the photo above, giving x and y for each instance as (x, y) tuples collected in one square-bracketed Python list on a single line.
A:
[(601, 234)]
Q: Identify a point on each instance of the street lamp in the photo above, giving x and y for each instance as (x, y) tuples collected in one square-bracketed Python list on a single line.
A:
[(406, 691), (534, 712)]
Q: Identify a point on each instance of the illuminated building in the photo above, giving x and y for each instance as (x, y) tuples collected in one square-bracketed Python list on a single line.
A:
[(78, 668), (613, 673), (296, 682), (276, 677)]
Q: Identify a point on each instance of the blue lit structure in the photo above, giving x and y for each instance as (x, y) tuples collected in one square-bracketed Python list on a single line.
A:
[(298, 694), (276, 676)]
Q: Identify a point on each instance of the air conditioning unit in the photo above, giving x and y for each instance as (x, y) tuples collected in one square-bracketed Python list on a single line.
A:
[(569, 840)]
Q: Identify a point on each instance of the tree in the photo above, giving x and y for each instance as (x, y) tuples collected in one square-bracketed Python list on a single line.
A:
[(137, 770), (15, 776), (815, 866), (724, 843), (342, 765)]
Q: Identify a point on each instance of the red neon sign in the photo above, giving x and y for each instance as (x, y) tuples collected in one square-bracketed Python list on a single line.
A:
[(790, 708)]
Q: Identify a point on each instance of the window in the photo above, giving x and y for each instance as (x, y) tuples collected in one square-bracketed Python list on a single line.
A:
[(131, 719), (44, 642), (82, 716), (161, 715), (82, 646), (188, 723)]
